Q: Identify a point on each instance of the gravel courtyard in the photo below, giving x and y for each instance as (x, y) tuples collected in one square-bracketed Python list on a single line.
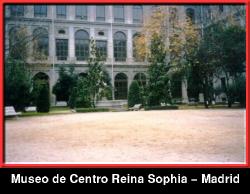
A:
[(146, 136)]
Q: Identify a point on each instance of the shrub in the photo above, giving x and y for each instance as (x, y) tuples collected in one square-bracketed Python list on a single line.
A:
[(43, 102), (134, 96), (241, 90)]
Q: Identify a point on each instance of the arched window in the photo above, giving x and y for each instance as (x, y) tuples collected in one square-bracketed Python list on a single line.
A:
[(137, 14), (120, 46), (81, 45), (121, 86), (190, 14), (17, 45), (138, 47), (141, 79), (41, 43)]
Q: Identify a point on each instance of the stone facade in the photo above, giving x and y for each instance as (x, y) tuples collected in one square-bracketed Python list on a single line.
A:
[(65, 28)]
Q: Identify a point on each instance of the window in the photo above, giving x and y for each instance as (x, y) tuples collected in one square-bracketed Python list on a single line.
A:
[(221, 8), (82, 12), (81, 45), (101, 46), (121, 86), (190, 15), (61, 31), (16, 10), (100, 13), (137, 14), (101, 33), (61, 49), (41, 43), (118, 13), (61, 11), (120, 46), (40, 10)]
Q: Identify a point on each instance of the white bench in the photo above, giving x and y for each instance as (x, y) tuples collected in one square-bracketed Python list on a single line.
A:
[(10, 111), (135, 107), (30, 109)]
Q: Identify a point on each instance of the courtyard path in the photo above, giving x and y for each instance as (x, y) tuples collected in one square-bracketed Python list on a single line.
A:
[(144, 136)]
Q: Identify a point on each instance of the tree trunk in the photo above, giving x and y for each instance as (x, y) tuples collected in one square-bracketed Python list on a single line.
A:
[(229, 97), (205, 92)]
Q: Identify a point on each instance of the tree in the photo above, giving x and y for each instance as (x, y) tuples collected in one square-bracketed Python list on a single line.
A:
[(158, 84), (96, 77), (222, 53), (64, 85), (206, 65), (232, 50), (43, 101), (134, 96), (181, 38), (17, 84)]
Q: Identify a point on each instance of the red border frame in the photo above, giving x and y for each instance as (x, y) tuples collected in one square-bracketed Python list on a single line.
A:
[(3, 165)]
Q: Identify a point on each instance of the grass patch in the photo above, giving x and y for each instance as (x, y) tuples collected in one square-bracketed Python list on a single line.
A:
[(53, 111), (92, 110), (201, 106), (59, 108), (171, 107)]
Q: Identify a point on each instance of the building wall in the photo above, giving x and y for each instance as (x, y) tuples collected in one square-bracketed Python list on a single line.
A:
[(202, 16)]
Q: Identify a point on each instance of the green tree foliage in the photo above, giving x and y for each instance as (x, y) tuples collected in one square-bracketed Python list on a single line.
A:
[(232, 50), (88, 90), (82, 92), (17, 84), (134, 95), (158, 84), (43, 100), (97, 78), (64, 85), (221, 52)]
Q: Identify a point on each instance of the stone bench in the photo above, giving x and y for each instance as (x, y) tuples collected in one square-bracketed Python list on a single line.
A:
[(135, 107), (30, 109), (10, 111), (61, 103)]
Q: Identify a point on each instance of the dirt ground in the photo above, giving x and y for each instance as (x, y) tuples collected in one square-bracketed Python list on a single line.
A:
[(171, 136)]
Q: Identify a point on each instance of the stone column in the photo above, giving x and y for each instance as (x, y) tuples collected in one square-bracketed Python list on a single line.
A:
[(129, 46), (29, 11), (128, 14), (52, 81), (92, 32), (52, 49), (71, 12), (110, 45), (184, 91), (91, 13), (71, 44)]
